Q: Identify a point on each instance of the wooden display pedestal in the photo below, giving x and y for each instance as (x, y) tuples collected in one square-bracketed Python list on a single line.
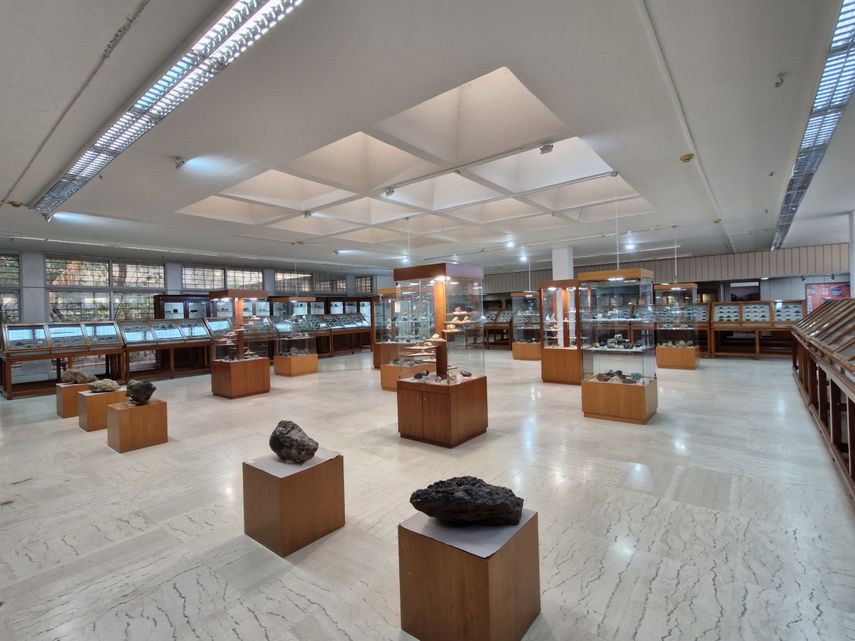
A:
[(526, 351), (287, 506), (677, 357), (462, 584), (236, 379), (619, 402), (92, 407), (561, 365), (295, 365), (66, 398), (132, 427), (389, 374), (442, 414)]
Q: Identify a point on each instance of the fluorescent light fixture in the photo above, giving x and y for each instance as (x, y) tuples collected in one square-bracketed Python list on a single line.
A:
[(677, 289), (243, 24), (405, 260), (764, 278), (629, 246), (829, 103), (552, 289), (509, 244), (615, 279), (523, 259)]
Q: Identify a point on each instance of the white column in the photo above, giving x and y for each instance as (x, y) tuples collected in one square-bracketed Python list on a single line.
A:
[(34, 304), (562, 263), (851, 252)]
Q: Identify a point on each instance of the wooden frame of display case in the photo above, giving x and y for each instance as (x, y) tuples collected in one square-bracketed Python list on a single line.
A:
[(561, 364), (769, 338), (61, 358), (823, 360), (165, 354), (382, 352)]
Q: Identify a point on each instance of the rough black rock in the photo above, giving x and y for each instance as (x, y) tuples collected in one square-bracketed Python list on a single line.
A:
[(104, 385), (77, 376), (467, 500), (291, 443), (140, 391)]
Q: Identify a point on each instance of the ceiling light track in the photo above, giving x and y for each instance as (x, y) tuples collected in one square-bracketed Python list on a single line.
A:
[(832, 97), (242, 25)]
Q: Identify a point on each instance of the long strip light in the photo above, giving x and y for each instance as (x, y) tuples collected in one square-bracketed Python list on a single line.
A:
[(243, 24), (832, 96)]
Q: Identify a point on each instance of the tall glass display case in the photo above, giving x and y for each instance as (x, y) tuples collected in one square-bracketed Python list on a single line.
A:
[(296, 353), (448, 405), (676, 328), (619, 363), (525, 326), (560, 358)]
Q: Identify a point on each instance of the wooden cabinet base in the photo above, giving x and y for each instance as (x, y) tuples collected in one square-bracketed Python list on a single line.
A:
[(66, 398), (459, 586), (561, 365), (677, 357), (526, 351), (287, 506), (132, 427), (295, 365), (619, 402), (389, 374), (236, 379), (92, 408), (442, 414)]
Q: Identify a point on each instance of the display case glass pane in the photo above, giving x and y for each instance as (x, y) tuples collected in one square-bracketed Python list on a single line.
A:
[(103, 333), (726, 313), (365, 308), (224, 308), (136, 333), (526, 317), (756, 313), (336, 307), (197, 309), (559, 317), (167, 331), (194, 329), (25, 337), (66, 336), (676, 326), (173, 311), (219, 326), (788, 312), (618, 331), (350, 307), (295, 344), (316, 308), (464, 308), (258, 328)]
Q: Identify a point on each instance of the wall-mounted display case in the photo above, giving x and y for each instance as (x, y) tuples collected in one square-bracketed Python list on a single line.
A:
[(525, 326), (617, 328), (560, 356), (178, 306)]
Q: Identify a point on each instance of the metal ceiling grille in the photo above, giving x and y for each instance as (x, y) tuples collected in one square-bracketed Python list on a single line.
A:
[(241, 26), (832, 96)]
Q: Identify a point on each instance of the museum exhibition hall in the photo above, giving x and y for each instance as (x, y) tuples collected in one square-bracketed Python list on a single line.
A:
[(459, 320)]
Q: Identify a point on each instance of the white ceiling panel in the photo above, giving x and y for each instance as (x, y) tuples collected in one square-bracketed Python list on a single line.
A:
[(235, 211), (361, 163), (485, 213), (316, 225), (284, 190), (588, 192), (368, 211), (621, 209), (427, 224), (443, 192), (371, 235), (569, 159)]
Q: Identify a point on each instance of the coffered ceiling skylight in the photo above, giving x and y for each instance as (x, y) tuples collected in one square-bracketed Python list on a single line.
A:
[(447, 191), (316, 224), (368, 211), (234, 211), (284, 190), (580, 194)]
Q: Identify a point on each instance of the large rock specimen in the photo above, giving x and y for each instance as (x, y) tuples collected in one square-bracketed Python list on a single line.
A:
[(291, 443), (77, 376), (467, 500), (140, 391), (104, 385)]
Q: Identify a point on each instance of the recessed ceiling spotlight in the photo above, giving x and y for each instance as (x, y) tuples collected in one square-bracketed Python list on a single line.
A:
[(779, 80), (509, 244), (405, 260), (687, 157), (389, 191), (629, 246), (179, 162), (523, 259), (548, 147)]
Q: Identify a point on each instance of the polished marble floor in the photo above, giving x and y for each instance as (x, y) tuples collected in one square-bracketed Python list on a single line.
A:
[(721, 519)]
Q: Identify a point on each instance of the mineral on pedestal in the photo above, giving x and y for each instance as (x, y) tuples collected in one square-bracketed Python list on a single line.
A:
[(291, 443), (77, 376), (104, 385), (467, 500), (140, 391)]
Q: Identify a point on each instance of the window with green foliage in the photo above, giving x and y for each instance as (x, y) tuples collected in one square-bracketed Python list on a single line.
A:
[(9, 307), (290, 282), (10, 270), (133, 305), (244, 278), (205, 278), (137, 275), (76, 272), (364, 284), (68, 305)]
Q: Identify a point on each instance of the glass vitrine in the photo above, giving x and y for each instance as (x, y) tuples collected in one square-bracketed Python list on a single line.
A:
[(526, 317), (29, 338), (167, 331), (66, 337), (726, 314), (219, 327), (675, 327), (788, 313), (617, 329), (102, 334), (259, 328), (316, 308), (365, 308), (224, 308), (194, 330), (758, 313), (197, 310), (137, 333), (675, 294)]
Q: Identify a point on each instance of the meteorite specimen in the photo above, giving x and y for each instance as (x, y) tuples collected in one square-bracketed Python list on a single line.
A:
[(77, 376), (291, 443), (140, 391), (104, 385), (467, 500)]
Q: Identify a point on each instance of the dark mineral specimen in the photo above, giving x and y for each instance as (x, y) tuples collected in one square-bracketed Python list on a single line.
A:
[(291, 443), (140, 391), (467, 500), (76, 376), (104, 385)]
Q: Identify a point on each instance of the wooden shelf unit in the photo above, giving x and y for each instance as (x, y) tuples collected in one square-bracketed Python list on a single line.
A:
[(442, 414)]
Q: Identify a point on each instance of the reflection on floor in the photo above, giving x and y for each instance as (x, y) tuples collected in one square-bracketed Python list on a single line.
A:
[(721, 519)]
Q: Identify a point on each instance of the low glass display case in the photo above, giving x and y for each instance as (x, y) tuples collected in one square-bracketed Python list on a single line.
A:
[(525, 325), (619, 356), (66, 337), (167, 331), (194, 330), (259, 328), (560, 358), (137, 334), (219, 327), (27, 338), (102, 335)]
